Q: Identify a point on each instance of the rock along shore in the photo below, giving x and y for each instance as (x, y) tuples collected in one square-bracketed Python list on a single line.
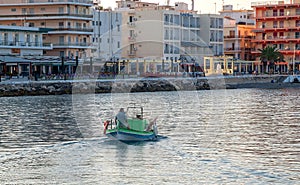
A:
[(31, 88)]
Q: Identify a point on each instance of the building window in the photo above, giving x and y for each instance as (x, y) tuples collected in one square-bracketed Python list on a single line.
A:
[(27, 38), (61, 24), (43, 9), (281, 24), (36, 40), (16, 38), (119, 45), (297, 35), (13, 9), (275, 24), (24, 11), (61, 39), (61, 10), (275, 13), (61, 53), (31, 24), (298, 11), (31, 10), (297, 23), (43, 23)]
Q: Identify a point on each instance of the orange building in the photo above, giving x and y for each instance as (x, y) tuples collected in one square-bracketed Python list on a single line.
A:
[(237, 39), (278, 24), (69, 21)]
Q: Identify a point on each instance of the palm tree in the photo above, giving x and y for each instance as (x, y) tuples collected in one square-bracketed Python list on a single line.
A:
[(270, 55)]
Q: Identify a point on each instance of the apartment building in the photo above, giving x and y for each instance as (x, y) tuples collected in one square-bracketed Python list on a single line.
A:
[(278, 24), (162, 32), (70, 21), (211, 32), (241, 16), (107, 34), (238, 25), (16, 42)]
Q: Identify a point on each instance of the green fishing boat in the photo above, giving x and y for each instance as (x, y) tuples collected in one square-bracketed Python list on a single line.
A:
[(140, 129)]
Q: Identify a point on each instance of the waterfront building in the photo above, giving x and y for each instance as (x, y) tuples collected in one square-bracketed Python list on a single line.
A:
[(238, 25), (107, 34), (242, 16), (70, 21), (17, 42), (212, 32), (165, 33), (278, 24), (237, 39)]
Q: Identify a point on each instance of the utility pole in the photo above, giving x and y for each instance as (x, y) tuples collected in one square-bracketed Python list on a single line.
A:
[(193, 5)]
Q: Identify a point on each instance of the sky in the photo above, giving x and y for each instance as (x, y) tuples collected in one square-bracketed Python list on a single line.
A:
[(202, 6)]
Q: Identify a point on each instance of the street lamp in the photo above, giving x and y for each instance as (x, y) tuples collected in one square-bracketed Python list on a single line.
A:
[(294, 60)]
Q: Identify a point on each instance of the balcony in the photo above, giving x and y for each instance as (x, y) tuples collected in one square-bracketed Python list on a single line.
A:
[(44, 16), (281, 16), (232, 50), (81, 45), (21, 2), (25, 45), (285, 50), (75, 29), (271, 39)]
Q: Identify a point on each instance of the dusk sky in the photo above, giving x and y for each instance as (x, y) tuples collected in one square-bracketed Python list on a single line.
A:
[(203, 6)]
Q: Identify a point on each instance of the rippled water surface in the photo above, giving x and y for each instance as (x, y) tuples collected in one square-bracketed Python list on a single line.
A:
[(245, 136)]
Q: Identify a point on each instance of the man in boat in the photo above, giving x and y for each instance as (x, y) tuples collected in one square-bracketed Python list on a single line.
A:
[(122, 118)]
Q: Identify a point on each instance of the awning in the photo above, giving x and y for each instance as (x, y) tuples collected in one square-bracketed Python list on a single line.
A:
[(11, 59)]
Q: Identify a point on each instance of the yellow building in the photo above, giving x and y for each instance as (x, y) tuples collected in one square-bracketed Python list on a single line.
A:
[(69, 21)]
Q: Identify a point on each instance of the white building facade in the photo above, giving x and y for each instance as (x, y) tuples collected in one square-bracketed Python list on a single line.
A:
[(107, 35), (211, 26)]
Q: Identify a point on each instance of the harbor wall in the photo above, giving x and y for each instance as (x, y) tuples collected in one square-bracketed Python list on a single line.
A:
[(29, 88)]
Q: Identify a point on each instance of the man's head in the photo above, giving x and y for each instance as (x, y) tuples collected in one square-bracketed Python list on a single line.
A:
[(121, 109)]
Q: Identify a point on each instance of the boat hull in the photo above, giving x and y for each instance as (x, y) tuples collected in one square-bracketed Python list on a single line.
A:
[(127, 135)]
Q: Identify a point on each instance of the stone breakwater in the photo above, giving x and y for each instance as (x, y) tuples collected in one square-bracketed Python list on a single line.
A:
[(29, 88)]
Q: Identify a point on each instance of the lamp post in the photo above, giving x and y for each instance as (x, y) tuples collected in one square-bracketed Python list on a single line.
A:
[(294, 60)]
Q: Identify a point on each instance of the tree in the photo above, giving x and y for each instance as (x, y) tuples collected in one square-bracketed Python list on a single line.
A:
[(270, 55)]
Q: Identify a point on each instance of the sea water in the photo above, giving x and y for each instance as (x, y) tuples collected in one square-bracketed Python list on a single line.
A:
[(243, 136)]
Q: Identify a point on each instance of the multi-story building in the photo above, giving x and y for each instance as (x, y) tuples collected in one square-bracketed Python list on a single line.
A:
[(278, 24), (241, 16), (107, 34), (212, 32), (69, 20), (15, 42), (163, 32), (237, 39)]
